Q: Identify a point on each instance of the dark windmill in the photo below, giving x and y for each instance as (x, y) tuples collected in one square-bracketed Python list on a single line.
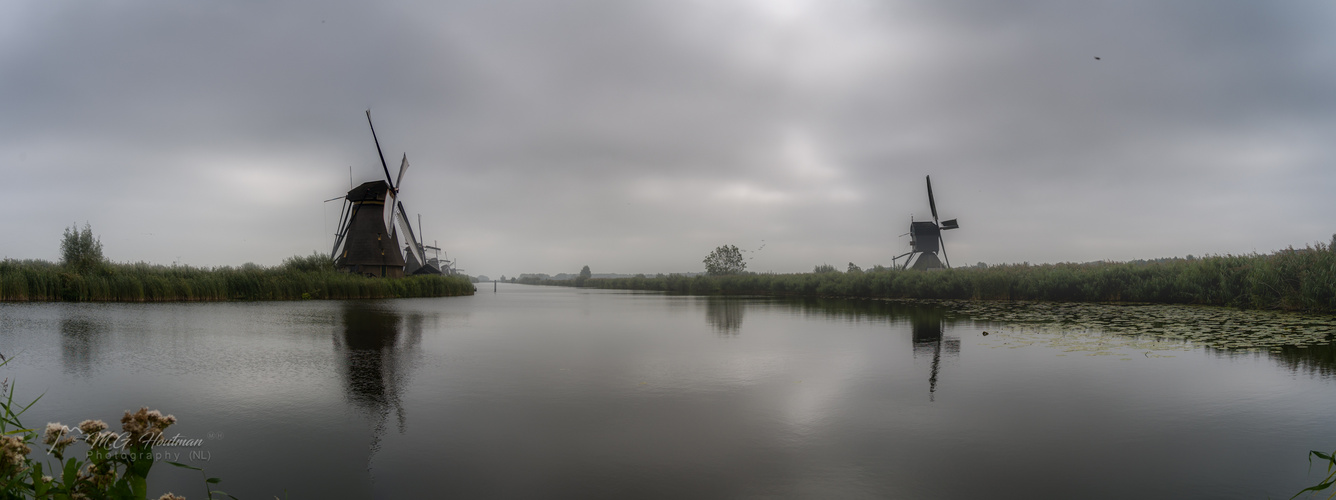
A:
[(925, 239), (368, 240)]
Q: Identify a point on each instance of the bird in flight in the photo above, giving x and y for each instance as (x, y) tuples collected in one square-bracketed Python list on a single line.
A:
[(1097, 58)]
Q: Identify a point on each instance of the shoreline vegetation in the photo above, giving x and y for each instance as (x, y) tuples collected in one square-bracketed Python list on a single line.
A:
[(1290, 279), (298, 278), (84, 275)]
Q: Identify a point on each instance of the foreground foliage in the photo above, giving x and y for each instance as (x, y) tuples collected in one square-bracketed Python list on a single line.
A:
[(1330, 480), (299, 278), (1291, 279), (115, 465)]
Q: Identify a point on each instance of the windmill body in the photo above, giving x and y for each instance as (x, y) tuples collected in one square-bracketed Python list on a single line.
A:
[(368, 245), (373, 218), (925, 239)]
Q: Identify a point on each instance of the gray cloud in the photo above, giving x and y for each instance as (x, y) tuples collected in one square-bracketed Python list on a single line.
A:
[(635, 137)]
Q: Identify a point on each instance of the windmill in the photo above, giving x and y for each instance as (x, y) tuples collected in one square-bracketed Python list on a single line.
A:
[(368, 240), (925, 239)]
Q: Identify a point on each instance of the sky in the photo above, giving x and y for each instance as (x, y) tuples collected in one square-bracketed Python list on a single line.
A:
[(635, 137)]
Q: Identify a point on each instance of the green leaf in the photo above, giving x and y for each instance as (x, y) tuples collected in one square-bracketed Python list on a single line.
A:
[(140, 486), (213, 480), (184, 466), (38, 485), (1319, 487), (71, 472)]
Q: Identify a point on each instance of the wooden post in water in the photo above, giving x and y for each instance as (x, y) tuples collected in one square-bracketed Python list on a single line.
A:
[(493, 286)]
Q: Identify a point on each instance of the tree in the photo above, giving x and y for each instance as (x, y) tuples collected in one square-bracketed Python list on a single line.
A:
[(726, 259), (584, 275), (853, 268), (80, 251), (824, 268)]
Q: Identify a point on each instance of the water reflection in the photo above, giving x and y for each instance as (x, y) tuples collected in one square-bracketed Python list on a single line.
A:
[(927, 321), (80, 341), (1313, 360), (857, 310), (378, 345), (725, 314), (926, 325)]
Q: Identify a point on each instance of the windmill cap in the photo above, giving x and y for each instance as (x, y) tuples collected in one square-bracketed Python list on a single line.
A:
[(369, 191)]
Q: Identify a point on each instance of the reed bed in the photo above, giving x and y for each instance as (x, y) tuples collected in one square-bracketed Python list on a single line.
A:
[(1291, 279), (299, 278)]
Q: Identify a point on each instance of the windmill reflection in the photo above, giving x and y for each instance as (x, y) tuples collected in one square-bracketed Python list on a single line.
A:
[(927, 321), (926, 324), (377, 344), (80, 340), (724, 314)]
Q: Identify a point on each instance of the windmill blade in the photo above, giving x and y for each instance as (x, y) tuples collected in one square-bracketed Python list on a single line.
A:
[(931, 203), (941, 243), (402, 167), (420, 227), (389, 211), (379, 152), (950, 224), (344, 220), (414, 245)]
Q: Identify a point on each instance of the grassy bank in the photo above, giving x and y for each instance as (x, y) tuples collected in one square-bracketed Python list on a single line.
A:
[(1291, 279), (298, 278)]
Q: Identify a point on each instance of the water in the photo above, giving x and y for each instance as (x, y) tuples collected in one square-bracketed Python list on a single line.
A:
[(556, 392)]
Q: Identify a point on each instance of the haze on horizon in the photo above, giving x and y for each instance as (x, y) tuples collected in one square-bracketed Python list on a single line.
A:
[(636, 137)]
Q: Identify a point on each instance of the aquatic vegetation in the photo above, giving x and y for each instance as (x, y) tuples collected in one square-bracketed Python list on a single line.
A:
[(1331, 474), (1216, 327), (298, 278)]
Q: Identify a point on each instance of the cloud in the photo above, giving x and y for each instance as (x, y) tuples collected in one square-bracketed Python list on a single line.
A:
[(636, 137)]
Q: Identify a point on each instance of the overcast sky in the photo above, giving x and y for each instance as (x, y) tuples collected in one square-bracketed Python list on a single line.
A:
[(637, 136)]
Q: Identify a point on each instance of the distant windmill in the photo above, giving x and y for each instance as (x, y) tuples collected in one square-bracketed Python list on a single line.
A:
[(925, 239), (368, 241)]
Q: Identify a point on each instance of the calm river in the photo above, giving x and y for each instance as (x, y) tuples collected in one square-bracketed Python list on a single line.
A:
[(545, 392)]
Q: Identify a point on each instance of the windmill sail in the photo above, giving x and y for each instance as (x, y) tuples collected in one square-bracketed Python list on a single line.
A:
[(344, 215), (416, 254), (389, 212), (403, 167), (378, 151), (931, 203)]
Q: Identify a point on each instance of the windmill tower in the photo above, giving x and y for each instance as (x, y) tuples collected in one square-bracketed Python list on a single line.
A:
[(925, 239), (368, 239)]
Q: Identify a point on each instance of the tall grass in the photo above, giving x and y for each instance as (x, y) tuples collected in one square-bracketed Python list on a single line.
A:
[(1291, 279), (297, 279)]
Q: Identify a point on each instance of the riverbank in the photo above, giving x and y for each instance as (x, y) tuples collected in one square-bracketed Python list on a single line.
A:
[(1291, 279), (299, 278)]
